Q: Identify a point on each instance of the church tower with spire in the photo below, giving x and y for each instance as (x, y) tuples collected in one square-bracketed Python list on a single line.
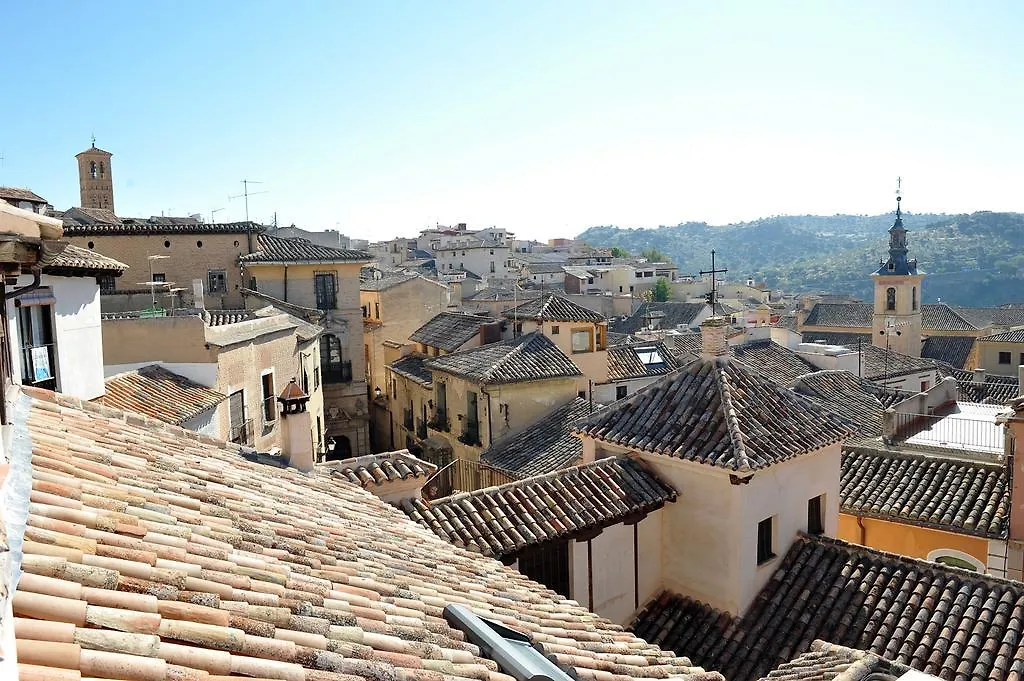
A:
[(896, 322), (94, 180)]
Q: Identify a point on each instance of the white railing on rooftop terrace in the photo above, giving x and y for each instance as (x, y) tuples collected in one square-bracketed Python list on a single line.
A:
[(949, 432)]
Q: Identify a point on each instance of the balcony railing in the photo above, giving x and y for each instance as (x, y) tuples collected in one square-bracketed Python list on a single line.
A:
[(951, 431), (440, 420), (341, 373), (242, 433)]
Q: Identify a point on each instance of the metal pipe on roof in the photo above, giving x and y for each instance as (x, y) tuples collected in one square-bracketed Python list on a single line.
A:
[(36, 273)]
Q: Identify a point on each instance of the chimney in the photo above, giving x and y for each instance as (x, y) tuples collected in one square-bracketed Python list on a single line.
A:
[(198, 297), (979, 376), (713, 336)]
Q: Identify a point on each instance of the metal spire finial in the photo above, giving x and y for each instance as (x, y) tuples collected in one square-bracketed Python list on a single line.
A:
[(899, 181)]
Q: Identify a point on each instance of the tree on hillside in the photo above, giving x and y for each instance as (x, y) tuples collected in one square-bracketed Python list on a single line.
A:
[(661, 290), (654, 255), (618, 252)]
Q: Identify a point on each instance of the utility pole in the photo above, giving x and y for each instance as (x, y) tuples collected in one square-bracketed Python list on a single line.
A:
[(213, 213)]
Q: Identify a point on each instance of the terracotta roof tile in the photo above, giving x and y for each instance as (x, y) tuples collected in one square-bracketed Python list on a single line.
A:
[(20, 194), (544, 446), (951, 623), (273, 249), (1011, 336), (105, 223), (829, 662), (720, 413), (857, 400), (771, 360), (166, 555), (841, 314), (505, 520), (157, 392), (555, 308), (956, 495), (641, 359), (952, 350), (450, 330), (85, 261), (667, 316), (379, 469), (993, 390), (531, 357), (983, 317)]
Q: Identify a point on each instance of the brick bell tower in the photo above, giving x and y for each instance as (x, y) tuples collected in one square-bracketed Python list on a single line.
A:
[(95, 181)]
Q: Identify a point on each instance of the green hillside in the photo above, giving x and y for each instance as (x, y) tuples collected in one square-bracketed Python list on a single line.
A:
[(975, 259)]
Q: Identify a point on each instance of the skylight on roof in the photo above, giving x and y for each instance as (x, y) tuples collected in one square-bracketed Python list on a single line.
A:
[(650, 357)]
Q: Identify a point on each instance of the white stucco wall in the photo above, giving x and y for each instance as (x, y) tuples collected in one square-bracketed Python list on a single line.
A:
[(613, 568), (709, 535), (206, 423), (76, 331), (203, 373)]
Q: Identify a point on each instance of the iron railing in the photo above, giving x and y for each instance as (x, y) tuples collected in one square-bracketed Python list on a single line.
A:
[(470, 434), (462, 475), (440, 420)]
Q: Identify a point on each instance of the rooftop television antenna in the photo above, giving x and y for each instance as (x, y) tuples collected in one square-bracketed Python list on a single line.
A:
[(246, 194)]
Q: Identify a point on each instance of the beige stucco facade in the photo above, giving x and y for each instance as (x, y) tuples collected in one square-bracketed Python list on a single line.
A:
[(189, 256), (392, 314), (999, 357), (346, 400), (709, 535), (230, 359), (593, 361)]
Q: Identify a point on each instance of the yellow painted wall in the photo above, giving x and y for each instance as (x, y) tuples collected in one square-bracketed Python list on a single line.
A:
[(909, 540)]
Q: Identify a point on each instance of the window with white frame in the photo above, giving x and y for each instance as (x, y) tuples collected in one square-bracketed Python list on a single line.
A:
[(581, 340), (269, 397)]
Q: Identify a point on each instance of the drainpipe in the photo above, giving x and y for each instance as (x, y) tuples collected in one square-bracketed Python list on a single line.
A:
[(863, 531), (25, 289), (490, 431), (285, 283)]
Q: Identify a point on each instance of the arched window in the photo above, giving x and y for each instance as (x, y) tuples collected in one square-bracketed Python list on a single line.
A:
[(958, 559), (890, 299), (101, 168), (92, 169), (913, 298), (332, 366)]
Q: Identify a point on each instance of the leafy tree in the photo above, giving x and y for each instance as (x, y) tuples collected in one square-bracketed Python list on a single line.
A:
[(661, 290), (618, 252), (654, 255)]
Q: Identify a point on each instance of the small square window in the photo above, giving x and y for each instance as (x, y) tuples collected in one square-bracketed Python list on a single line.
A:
[(160, 277), (582, 394), (620, 392), (217, 281), (816, 515), (1004, 357), (765, 540), (581, 341), (554, 330)]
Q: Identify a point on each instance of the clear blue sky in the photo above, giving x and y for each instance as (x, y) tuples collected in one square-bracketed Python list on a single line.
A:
[(380, 118)]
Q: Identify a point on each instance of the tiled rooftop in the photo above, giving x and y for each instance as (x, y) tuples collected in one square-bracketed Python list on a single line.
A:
[(387, 282), (848, 340), (717, 412), (983, 317), (951, 623), (667, 316), (957, 495), (878, 363), (771, 360), (102, 222), (153, 554), (829, 662), (1011, 336), (273, 249), (379, 469), (642, 359), (993, 390), (20, 194), (857, 400), (82, 260), (944, 318), (530, 357), (546, 445), (159, 393), (503, 521), (450, 330), (952, 350), (497, 293), (412, 366), (841, 314), (555, 308)]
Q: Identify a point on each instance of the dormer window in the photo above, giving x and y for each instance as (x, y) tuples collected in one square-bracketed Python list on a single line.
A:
[(892, 266)]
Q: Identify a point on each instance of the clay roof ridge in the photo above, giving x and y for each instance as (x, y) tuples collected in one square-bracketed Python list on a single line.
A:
[(741, 461)]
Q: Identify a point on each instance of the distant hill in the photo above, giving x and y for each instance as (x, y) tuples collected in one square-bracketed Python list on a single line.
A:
[(975, 259)]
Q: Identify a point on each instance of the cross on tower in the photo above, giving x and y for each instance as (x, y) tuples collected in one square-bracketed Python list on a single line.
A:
[(713, 296)]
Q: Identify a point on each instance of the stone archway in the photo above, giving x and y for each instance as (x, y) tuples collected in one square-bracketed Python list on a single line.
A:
[(342, 449)]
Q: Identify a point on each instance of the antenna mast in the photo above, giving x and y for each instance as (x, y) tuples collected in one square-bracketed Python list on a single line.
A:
[(246, 194)]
